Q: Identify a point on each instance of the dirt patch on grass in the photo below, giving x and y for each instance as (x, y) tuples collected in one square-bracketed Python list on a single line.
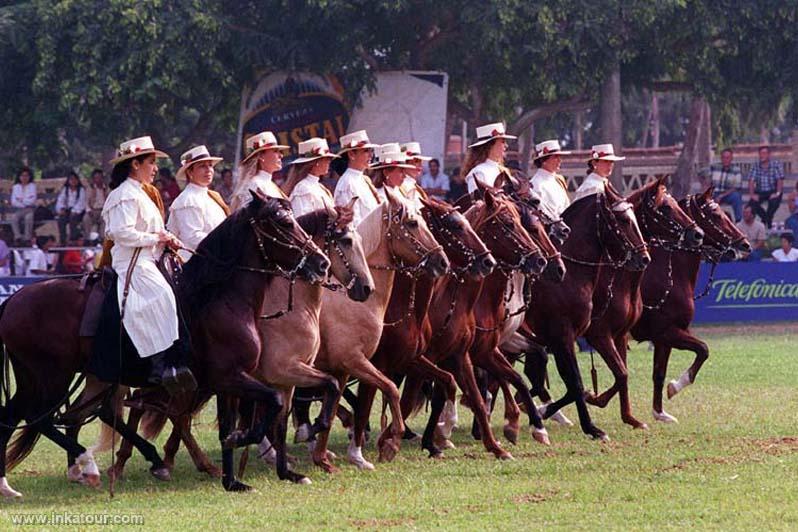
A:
[(743, 451), (534, 498), (777, 446), (381, 523)]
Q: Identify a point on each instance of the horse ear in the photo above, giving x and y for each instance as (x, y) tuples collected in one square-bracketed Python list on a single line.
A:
[(490, 199), (708, 193), (257, 199), (502, 180)]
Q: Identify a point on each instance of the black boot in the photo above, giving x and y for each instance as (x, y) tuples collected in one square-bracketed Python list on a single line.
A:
[(176, 377), (157, 368)]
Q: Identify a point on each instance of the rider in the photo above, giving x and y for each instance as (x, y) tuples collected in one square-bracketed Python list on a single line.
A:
[(353, 183), (303, 185), (602, 160), (410, 187), (550, 186), (134, 223), (485, 158), (263, 157), (197, 210), (390, 170)]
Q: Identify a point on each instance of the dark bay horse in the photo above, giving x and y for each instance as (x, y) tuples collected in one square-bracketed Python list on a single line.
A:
[(604, 232), (617, 304), (221, 293), (667, 292)]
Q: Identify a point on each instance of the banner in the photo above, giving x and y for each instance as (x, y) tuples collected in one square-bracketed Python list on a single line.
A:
[(748, 292), (9, 285)]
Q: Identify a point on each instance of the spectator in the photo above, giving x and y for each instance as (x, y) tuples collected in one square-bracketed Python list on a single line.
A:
[(434, 181), (457, 186), (786, 253), (95, 199), (71, 206), (37, 258), (5, 259), (792, 202), (765, 183), (23, 198), (226, 187), (755, 232), (171, 190), (727, 179)]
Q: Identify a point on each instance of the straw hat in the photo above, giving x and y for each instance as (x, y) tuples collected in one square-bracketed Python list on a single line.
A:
[(192, 156), (391, 156), (604, 152), (313, 149), (357, 140), (134, 148), (413, 151), (549, 147), (265, 140), (491, 132)]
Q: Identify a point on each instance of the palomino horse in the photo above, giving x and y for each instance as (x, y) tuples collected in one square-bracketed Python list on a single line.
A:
[(453, 317), (289, 342), (222, 294), (667, 291), (617, 305), (604, 232), (395, 240), (407, 327)]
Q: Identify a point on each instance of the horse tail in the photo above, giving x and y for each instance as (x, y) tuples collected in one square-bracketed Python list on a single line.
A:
[(21, 446), (152, 423), (105, 439)]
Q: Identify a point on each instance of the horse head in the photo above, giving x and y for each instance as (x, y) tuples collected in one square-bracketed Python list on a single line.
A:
[(467, 252), (661, 220), (410, 242), (722, 239), (620, 233), (282, 244), (497, 221), (520, 191)]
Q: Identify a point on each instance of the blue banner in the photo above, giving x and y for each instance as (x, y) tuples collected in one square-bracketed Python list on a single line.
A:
[(748, 291), (9, 285)]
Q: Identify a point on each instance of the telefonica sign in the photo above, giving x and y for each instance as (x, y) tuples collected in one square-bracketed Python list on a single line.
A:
[(742, 291)]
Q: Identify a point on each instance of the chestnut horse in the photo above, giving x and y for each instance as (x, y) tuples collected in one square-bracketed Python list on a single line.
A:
[(221, 292), (604, 232), (667, 292)]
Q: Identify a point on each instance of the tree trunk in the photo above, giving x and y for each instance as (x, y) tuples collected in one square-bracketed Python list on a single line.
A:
[(705, 138), (654, 120), (685, 165), (610, 120), (579, 126), (528, 138)]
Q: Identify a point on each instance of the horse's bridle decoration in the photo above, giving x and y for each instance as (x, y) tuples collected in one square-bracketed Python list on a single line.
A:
[(332, 237), (494, 219), (455, 244), (394, 220)]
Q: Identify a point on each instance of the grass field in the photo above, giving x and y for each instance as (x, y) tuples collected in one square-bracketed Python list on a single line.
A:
[(731, 463)]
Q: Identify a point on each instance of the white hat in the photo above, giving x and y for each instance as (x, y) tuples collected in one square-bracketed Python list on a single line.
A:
[(604, 152), (357, 140), (194, 155), (265, 140), (134, 148), (549, 147), (413, 151), (391, 156), (312, 149), (491, 132)]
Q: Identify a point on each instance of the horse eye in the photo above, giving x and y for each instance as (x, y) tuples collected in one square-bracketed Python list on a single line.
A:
[(346, 241), (284, 218), (666, 209), (412, 223)]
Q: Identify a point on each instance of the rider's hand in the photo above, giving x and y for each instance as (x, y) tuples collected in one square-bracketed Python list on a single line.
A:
[(170, 240)]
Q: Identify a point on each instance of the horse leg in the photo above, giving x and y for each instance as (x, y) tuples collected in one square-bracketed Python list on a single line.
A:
[(428, 439), (90, 474), (535, 363), (606, 348), (8, 423), (279, 437), (126, 446), (681, 339), (621, 346), (487, 399), (172, 444), (301, 415), (320, 455), (662, 354), (226, 414), (365, 401), (181, 427)]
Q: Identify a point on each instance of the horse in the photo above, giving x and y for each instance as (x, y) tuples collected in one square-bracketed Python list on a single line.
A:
[(221, 309), (407, 327), (667, 291), (395, 241), (289, 342), (604, 232), (618, 307)]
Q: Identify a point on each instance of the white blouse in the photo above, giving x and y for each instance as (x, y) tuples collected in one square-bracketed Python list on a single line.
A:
[(192, 216), (593, 184), (486, 172), (310, 195), (352, 183), (553, 197), (261, 181)]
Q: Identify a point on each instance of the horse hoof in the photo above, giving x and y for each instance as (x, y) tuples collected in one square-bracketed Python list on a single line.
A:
[(237, 485), (302, 434), (541, 436), (327, 467), (504, 455), (362, 464), (74, 475), (641, 426), (388, 451), (672, 389), (511, 433), (7, 491), (161, 473), (304, 481), (211, 470), (91, 480), (664, 417)]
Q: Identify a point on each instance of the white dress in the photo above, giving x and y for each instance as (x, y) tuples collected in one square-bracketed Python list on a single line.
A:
[(133, 221), (352, 183), (261, 181), (310, 195), (593, 184), (192, 216), (553, 197), (486, 172)]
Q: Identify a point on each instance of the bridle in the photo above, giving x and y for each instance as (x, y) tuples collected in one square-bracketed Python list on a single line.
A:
[(672, 232), (721, 242), (396, 229), (509, 233), (332, 242), (452, 243)]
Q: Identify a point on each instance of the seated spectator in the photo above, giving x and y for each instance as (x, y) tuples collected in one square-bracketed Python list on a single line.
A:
[(95, 199), (226, 186), (786, 253), (755, 232), (37, 258), (435, 182), (23, 199), (70, 206), (5, 259), (457, 186), (727, 179), (765, 184), (791, 222)]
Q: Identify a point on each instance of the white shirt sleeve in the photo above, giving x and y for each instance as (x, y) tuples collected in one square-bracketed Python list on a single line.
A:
[(61, 202), (29, 195), (305, 203), (344, 193), (122, 226), (471, 180), (80, 203), (189, 226), (17, 199)]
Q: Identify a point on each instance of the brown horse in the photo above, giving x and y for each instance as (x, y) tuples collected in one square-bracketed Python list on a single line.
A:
[(603, 232), (228, 281), (407, 328), (667, 292), (617, 305)]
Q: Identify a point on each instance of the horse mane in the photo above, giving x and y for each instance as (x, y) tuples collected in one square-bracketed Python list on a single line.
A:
[(575, 208), (370, 229), (314, 223), (637, 197)]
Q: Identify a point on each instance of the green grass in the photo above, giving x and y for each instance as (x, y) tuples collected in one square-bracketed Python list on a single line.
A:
[(731, 462)]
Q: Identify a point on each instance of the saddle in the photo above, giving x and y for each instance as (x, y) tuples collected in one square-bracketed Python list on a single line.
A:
[(97, 284)]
